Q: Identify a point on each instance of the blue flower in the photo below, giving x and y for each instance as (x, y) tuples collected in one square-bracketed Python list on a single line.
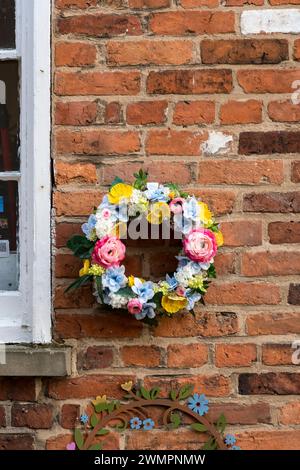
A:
[(117, 212), (114, 278), (192, 298), (89, 226), (148, 424), (173, 283), (84, 419), (135, 423), (156, 192), (182, 224), (235, 448), (148, 311), (198, 404), (144, 290), (230, 439), (191, 209)]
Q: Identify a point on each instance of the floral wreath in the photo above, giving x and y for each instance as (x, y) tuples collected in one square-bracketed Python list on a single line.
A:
[(102, 250)]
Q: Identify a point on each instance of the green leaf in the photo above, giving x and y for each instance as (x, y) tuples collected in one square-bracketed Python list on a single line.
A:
[(221, 423), (121, 426), (185, 391), (110, 407), (102, 432), (78, 438), (97, 446), (145, 393), (175, 420), (126, 292), (81, 246), (211, 272), (117, 180), (154, 392), (199, 427), (140, 179), (173, 395), (94, 420), (210, 444), (100, 407), (99, 287), (81, 281)]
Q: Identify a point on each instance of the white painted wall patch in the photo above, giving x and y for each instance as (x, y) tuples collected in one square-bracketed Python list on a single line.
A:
[(271, 21), (217, 142)]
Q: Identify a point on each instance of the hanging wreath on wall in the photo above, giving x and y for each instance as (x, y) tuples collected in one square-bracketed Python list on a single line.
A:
[(126, 211)]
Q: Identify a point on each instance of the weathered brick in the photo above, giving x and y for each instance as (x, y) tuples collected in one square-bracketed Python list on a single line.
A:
[(75, 54), (241, 112), (199, 3), (151, 4), (294, 294), (273, 323), (240, 3), (269, 142), (189, 82), (225, 264), (164, 440), (67, 266), (60, 441), (284, 111), (146, 112), (113, 113), (238, 413), (269, 440), (69, 416), (295, 172), (277, 354), (188, 113), (297, 49), (244, 51), (212, 385), (267, 263), (235, 355), (75, 113), (80, 4), (164, 142), (272, 202), (192, 22), (76, 203), (271, 383), (243, 293), (187, 355), (19, 389), (81, 298), (141, 356), (2, 417), (16, 442), (33, 416), (242, 233), (95, 357), (100, 25), (290, 413), (267, 81), (284, 232), (219, 201), (66, 173)]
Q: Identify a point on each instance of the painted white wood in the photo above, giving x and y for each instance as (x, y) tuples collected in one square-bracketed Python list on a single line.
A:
[(271, 21), (10, 54), (2, 92), (27, 312)]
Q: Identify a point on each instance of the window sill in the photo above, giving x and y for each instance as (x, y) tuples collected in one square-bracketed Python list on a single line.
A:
[(35, 361)]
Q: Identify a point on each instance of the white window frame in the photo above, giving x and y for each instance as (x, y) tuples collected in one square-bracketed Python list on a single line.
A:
[(25, 315)]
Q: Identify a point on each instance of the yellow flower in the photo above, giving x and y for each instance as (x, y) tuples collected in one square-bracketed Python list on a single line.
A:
[(173, 303), (85, 270), (127, 386), (196, 282), (118, 192), (99, 400), (119, 230), (172, 195), (96, 270), (219, 238), (159, 211), (205, 214), (131, 280)]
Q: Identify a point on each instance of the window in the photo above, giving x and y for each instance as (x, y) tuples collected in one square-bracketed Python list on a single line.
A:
[(25, 171)]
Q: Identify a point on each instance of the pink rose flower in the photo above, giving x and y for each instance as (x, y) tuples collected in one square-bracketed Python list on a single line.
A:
[(134, 306), (176, 205), (180, 291), (108, 252), (200, 245)]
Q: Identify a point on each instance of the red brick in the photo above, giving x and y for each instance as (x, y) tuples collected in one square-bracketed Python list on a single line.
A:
[(66, 173), (69, 416), (240, 3), (269, 440), (243, 293), (284, 2), (2, 417), (241, 172), (225, 264), (266, 263), (141, 356), (162, 262), (82, 4), (261, 143), (267, 81), (75, 113), (235, 355), (97, 83), (210, 324), (146, 112), (284, 232), (97, 142), (67, 266), (284, 111), (192, 22), (271, 383), (60, 441), (165, 440), (164, 142), (297, 49), (35, 416), (95, 357), (189, 82), (100, 25), (81, 298), (238, 413), (113, 113), (188, 113), (19, 389), (244, 51), (242, 233), (64, 231), (75, 54), (294, 294), (272, 202), (212, 385), (148, 4), (76, 203), (16, 442), (199, 3), (219, 201), (290, 413), (273, 323), (295, 172), (241, 112), (149, 52), (97, 326), (187, 355), (87, 386), (277, 354)]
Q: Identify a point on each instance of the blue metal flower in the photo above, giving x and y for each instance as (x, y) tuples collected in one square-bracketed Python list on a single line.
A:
[(144, 290), (230, 439), (89, 226), (148, 424), (156, 193), (84, 419), (198, 404), (135, 423), (114, 278), (148, 311), (235, 448)]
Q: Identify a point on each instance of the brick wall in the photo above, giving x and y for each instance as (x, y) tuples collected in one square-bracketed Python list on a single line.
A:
[(179, 88)]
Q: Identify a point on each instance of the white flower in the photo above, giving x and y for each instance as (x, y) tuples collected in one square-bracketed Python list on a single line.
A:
[(117, 301), (185, 273), (104, 227), (138, 203)]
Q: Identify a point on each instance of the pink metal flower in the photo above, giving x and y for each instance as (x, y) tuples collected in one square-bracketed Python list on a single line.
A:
[(200, 245), (176, 205), (109, 252), (134, 306), (71, 446)]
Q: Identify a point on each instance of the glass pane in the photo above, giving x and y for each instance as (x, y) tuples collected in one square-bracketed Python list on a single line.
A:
[(9, 259), (9, 115), (7, 24)]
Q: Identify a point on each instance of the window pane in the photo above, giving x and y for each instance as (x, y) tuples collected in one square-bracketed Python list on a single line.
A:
[(7, 24), (9, 115), (9, 262)]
